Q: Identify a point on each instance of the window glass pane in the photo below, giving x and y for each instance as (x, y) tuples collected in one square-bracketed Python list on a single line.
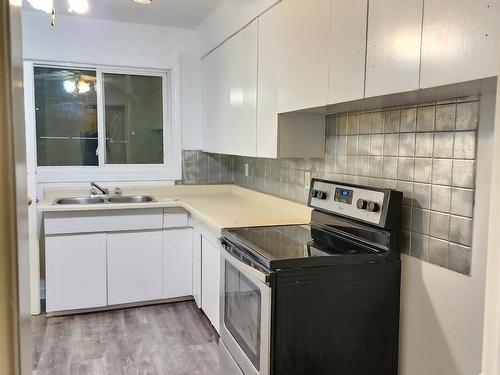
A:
[(133, 119), (66, 116)]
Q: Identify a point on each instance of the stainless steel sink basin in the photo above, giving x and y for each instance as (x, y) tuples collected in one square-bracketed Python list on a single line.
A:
[(82, 200), (131, 199)]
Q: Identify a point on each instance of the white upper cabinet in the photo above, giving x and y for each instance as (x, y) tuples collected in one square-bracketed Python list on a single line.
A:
[(294, 39), (227, 18), (347, 50), (393, 46), (215, 96), (459, 41), (243, 91), (230, 95)]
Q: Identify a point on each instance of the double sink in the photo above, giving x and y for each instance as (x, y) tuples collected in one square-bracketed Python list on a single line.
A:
[(104, 199)]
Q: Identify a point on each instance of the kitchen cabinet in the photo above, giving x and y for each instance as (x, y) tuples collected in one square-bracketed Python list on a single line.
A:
[(134, 266), (293, 59), (110, 257), (459, 41), (243, 91), (230, 95), (177, 263), (75, 271), (210, 281), (347, 50), (393, 46), (196, 242), (215, 98)]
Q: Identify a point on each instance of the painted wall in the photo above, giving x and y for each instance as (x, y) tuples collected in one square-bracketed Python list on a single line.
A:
[(491, 341), (91, 41)]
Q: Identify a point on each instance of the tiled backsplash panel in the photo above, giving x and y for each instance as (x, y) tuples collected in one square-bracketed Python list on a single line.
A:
[(201, 168), (428, 152)]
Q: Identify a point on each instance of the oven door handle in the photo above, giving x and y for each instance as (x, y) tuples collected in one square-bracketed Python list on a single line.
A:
[(243, 267)]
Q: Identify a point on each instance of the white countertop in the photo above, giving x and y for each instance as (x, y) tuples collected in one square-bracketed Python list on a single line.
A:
[(219, 206)]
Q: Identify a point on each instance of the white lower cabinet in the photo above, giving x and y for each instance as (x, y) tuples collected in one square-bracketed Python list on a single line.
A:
[(75, 271), (130, 257), (134, 266), (177, 263), (196, 242), (210, 281)]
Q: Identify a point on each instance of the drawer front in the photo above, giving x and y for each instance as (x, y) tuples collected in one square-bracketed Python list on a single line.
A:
[(102, 221), (175, 218)]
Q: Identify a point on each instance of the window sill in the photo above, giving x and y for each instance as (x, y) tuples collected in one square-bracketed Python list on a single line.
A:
[(109, 173)]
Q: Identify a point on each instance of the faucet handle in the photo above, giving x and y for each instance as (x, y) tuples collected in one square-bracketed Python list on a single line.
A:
[(93, 191), (117, 191)]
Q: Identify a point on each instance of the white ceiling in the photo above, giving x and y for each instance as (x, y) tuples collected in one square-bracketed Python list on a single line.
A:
[(175, 13)]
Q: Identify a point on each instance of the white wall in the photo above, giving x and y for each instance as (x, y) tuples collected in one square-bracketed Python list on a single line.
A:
[(91, 41), (491, 341), (442, 311)]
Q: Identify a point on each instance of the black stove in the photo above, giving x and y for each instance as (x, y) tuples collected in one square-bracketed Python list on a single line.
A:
[(342, 268)]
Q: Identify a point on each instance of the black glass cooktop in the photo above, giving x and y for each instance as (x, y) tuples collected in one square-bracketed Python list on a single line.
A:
[(298, 245)]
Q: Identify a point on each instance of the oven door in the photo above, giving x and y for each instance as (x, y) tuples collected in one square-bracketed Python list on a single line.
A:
[(245, 317)]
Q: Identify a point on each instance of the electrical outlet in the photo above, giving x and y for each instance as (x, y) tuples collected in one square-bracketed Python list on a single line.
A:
[(307, 180), (246, 169)]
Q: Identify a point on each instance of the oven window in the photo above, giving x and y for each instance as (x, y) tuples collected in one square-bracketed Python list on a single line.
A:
[(242, 312)]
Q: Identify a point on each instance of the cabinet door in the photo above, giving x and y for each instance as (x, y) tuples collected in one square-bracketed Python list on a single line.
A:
[(210, 282), (215, 99), (230, 95), (347, 50), (393, 50), (196, 241), (243, 91), (75, 271), (458, 41), (177, 263), (294, 40), (134, 266)]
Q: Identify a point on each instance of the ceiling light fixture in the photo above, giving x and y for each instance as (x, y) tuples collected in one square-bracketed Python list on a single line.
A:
[(44, 5), (69, 86), (78, 6), (83, 87), (144, 2)]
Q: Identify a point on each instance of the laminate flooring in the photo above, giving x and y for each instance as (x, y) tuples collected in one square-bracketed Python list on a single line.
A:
[(167, 339)]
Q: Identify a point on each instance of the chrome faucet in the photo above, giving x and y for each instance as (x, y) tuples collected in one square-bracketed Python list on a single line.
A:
[(104, 191)]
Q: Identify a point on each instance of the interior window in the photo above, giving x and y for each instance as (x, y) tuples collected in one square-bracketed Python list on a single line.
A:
[(133, 107), (68, 110), (66, 117)]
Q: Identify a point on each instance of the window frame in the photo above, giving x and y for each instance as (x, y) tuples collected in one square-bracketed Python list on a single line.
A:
[(169, 170)]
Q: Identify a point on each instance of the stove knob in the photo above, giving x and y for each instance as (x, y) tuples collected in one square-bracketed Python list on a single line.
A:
[(373, 207), (321, 195), (361, 204)]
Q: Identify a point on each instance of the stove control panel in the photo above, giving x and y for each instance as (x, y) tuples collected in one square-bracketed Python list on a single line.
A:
[(361, 203)]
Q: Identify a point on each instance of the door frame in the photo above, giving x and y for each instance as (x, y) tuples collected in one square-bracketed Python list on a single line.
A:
[(491, 330), (15, 318)]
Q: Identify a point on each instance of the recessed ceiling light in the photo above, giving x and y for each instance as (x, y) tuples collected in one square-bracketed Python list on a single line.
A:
[(78, 6), (145, 2)]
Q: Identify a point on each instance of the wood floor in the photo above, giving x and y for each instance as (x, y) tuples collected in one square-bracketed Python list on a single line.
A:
[(169, 339)]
